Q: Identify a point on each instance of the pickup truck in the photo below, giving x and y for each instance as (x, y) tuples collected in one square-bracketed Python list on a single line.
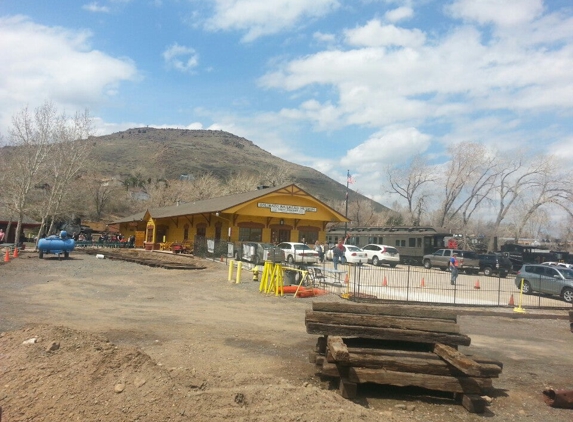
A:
[(468, 261), (493, 263)]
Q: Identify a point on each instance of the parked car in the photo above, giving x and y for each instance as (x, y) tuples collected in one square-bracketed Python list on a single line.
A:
[(299, 252), (559, 264), (352, 255), (494, 263), (546, 279), (382, 254), (468, 261), (257, 252)]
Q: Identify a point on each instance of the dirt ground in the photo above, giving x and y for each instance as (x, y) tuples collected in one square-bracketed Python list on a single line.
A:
[(117, 341)]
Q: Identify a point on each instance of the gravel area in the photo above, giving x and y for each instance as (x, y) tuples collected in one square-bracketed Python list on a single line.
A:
[(118, 341)]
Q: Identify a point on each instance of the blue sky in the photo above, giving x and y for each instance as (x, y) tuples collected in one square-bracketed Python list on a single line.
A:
[(332, 84)]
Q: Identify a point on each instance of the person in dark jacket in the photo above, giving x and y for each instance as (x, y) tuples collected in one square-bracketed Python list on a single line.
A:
[(337, 253)]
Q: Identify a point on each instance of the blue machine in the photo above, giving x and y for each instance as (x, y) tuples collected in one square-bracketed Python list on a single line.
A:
[(56, 245)]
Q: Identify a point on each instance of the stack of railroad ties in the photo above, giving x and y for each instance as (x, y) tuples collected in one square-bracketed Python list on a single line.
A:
[(400, 345)]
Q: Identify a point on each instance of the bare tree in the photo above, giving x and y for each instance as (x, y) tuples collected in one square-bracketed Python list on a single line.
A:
[(520, 177), (32, 135), (548, 187), (408, 182), (66, 158), (469, 169), (242, 181), (361, 212), (275, 176)]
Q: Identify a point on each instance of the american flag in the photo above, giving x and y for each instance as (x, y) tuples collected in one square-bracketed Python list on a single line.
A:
[(349, 179)]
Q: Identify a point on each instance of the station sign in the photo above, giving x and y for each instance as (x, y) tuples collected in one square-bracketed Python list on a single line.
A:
[(286, 209)]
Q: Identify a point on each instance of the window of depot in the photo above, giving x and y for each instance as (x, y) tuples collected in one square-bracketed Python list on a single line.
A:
[(250, 234)]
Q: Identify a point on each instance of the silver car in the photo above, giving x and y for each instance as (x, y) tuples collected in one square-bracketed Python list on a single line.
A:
[(546, 279)]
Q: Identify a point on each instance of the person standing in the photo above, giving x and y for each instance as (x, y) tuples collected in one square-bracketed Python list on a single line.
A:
[(454, 268), (2, 236), (320, 250), (337, 254)]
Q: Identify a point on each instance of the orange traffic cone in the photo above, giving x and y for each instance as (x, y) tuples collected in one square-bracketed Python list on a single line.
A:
[(422, 284), (385, 282), (7, 256), (511, 301), (476, 285), (346, 278), (15, 255)]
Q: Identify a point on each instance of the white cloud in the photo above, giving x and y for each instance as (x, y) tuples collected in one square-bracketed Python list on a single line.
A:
[(374, 34), (503, 13), (40, 63), (262, 17), (325, 38), (399, 14), (181, 58), (448, 77), (391, 146), (95, 7)]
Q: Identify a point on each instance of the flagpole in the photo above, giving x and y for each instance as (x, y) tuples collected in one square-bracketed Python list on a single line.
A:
[(346, 212)]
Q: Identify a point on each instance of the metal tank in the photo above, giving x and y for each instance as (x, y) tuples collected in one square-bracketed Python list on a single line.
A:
[(56, 244)]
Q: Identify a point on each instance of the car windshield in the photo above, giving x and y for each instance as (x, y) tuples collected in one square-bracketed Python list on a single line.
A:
[(301, 247), (391, 250), (353, 248)]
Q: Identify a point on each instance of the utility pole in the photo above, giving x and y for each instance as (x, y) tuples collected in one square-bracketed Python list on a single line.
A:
[(346, 212)]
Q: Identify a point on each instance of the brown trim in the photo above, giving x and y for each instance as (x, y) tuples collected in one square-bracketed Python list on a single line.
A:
[(280, 227), (190, 220), (250, 225), (308, 229), (202, 225)]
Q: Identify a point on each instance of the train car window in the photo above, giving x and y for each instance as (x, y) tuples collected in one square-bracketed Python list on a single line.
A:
[(412, 242)]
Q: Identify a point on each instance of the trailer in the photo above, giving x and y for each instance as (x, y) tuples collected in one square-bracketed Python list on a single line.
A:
[(58, 245)]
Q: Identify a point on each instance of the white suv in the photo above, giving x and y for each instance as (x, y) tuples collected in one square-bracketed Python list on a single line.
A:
[(299, 252), (382, 254)]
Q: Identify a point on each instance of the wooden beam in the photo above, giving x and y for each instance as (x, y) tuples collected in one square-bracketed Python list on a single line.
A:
[(418, 311), (347, 389), (387, 334), (466, 385), (337, 349), (473, 403), (459, 360), (403, 323)]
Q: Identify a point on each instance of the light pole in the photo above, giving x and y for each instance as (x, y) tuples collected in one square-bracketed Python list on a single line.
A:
[(346, 211)]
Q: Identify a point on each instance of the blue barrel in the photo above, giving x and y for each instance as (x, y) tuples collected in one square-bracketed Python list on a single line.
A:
[(56, 245)]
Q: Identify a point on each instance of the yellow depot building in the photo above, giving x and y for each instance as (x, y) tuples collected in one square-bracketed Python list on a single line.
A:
[(273, 214)]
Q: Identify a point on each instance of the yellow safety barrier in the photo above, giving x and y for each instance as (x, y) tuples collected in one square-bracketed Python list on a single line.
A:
[(519, 308), (231, 265), (239, 268)]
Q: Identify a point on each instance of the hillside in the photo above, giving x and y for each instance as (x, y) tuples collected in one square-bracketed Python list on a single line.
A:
[(170, 153)]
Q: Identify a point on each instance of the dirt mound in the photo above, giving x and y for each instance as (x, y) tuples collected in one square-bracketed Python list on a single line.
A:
[(56, 374)]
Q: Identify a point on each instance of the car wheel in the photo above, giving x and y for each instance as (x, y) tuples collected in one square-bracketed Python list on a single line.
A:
[(567, 295), (290, 259), (503, 274), (487, 271), (526, 289), (427, 264), (393, 265), (375, 261)]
